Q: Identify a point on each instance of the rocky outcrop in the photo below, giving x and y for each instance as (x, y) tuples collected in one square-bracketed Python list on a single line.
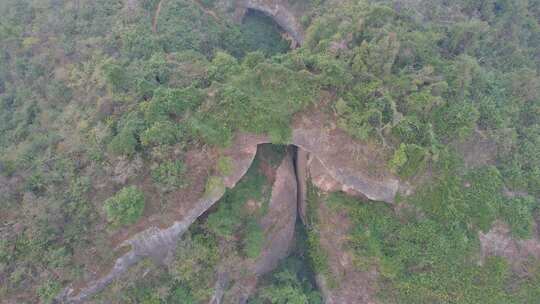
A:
[(157, 243), (498, 241), (354, 166), (280, 11), (278, 225)]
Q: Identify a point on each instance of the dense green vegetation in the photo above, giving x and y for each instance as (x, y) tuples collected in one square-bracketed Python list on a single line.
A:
[(262, 34), (293, 281), (92, 91), (288, 285), (170, 174), (239, 210), (125, 207), (431, 259)]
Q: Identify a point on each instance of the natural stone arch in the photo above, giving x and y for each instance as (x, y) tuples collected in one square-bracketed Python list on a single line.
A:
[(341, 158), (279, 11)]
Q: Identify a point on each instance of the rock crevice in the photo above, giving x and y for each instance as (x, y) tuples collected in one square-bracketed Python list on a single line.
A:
[(350, 165)]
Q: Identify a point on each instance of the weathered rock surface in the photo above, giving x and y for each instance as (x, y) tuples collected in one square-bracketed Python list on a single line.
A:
[(499, 242), (355, 166), (278, 225), (157, 243)]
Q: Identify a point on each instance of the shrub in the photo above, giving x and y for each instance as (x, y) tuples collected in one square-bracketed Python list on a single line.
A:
[(48, 290), (223, 222), (181, 294), (408, 159), (124, 143), (170, 174), (223, 66), (214, 184), (262, 34), (194, 266), (286, 287), (455, 120), (254, 239), (125, 207), (518, 214), (225, 165), (161, 133), (211, 131)]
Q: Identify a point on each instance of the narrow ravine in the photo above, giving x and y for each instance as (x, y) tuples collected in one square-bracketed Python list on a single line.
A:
[(322, 144)]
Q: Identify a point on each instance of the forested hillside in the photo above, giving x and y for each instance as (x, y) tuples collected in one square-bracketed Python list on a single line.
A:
[(113, 111)]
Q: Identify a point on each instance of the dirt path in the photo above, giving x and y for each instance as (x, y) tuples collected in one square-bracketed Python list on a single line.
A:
[(156, 16)]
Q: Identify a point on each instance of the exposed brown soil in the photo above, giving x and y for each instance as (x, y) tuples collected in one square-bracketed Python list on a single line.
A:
[(156, 16), (499, 242)]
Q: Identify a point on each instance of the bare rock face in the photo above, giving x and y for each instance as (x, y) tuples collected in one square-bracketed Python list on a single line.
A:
[(157, 243), (357, 166), (324, 181), (499, 242), (278, 225), (279, 222), (353, 166)]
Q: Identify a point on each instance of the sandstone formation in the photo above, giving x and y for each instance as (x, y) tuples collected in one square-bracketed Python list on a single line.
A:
[(353, 166), (278, 225)]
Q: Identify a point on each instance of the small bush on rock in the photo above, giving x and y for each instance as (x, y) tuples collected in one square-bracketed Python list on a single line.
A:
[(125, 207)]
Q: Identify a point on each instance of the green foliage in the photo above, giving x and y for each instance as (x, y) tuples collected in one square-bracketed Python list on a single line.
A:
[(254, 239), (196, 257), (518, 214), (262, 34), (181, 294), (125, 207), (408, 160), (161, 133), (48, 291), (231, 214), (423, 260), (318, 258), (423, 74), (210, 131), (126, 141), (183, 25), (223, 66), (469, 202), (115, 76), (170, 174), (214, 184), (259, 100), (225, 165), (289, 283), (455, 120)]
